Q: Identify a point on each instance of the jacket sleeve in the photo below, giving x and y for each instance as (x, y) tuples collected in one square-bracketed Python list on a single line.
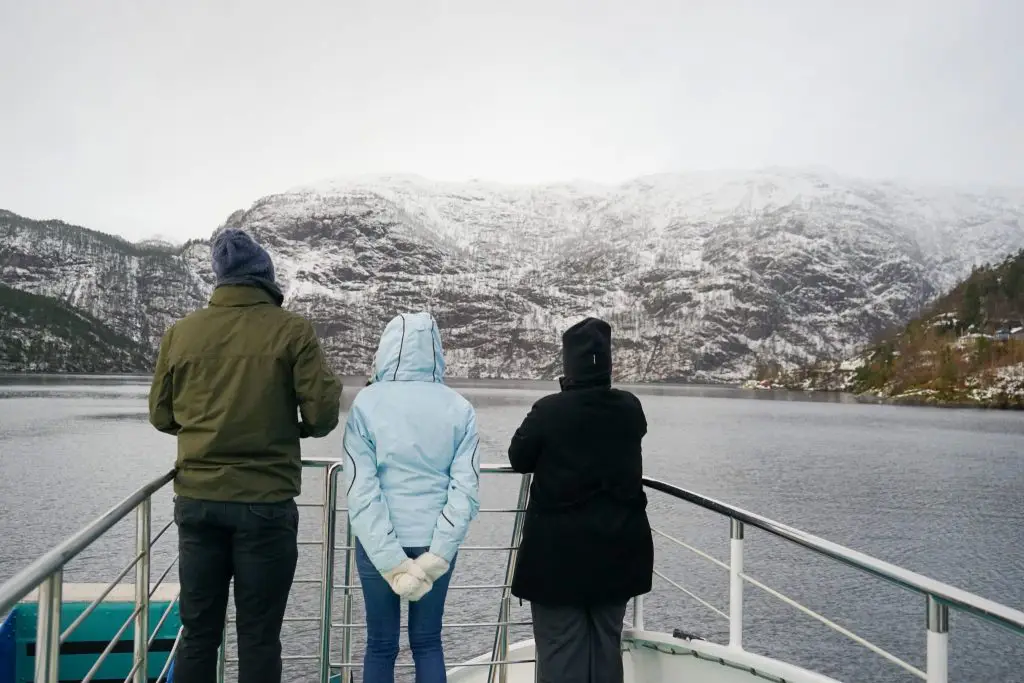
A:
[(463, 494), (161, 393), (367, 509), (316, 386), (643, 418), (526, 443)]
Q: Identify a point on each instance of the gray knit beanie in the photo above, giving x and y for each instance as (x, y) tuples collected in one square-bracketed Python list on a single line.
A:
[(236, 256)]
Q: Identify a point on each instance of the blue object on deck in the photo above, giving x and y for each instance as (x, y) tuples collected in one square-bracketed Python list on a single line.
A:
[(83, 648), (7, 648)]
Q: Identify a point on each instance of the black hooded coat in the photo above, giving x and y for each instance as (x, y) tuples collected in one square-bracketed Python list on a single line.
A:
[(586, 539)]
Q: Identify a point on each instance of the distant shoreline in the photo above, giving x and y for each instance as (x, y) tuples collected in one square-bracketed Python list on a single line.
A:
[(359, 381), (905, 401), (352, 379)]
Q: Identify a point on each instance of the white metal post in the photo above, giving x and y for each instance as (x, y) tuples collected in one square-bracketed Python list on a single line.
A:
[(503, 645), (499, 650), (327, 572), (350, 571), (222, 654), (48, 628), (143, 531), (736, 583), (638, 613), (938, 641)]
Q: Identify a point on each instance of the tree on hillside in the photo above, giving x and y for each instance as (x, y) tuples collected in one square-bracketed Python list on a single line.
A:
[(949, 372), (970, 307)]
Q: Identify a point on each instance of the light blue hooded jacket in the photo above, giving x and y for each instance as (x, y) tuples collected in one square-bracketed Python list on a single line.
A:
[(412, 471)]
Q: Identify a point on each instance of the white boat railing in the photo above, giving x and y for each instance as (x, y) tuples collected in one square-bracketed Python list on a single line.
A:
[(46, 575), (939, 597)]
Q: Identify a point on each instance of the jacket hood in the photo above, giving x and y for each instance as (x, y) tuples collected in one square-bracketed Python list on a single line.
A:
[(410, 350), (587, 354)]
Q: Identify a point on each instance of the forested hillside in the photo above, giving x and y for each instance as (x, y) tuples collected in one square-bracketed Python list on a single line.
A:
[(967, 348)]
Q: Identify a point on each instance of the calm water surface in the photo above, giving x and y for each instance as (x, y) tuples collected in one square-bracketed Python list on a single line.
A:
[(937, 491)]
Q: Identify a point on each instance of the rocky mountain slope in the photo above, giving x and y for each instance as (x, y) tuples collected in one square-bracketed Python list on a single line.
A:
[(967, 348), (138, 290), (41, 334), (702, 275)]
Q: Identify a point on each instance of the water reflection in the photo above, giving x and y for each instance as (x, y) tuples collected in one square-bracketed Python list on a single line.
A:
[(42, 379), (140, 416), (488, 392)]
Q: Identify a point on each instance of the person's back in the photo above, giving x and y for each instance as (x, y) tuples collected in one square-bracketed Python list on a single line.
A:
[(414, 449), (587, 546), (241, 367), (412, 473), (239, 383)]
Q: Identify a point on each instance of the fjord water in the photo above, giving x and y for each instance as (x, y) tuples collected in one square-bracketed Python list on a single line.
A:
[(937, 491)]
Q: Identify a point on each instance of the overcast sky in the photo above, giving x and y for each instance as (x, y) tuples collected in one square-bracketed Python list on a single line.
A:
[(142, 116)]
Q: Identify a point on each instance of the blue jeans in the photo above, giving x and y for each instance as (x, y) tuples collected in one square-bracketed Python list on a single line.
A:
[(383, 623)]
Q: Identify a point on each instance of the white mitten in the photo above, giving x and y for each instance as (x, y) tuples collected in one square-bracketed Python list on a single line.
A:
[(421, 589), (406, 579), (432, 565)]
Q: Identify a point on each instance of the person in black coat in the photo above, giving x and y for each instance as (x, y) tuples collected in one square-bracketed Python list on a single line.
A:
[(586, 546)]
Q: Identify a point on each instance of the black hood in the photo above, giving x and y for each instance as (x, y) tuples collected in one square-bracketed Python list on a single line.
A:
[(587, 354)]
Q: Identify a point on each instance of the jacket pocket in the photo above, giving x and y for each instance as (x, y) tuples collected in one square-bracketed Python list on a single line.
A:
[(188, 511)]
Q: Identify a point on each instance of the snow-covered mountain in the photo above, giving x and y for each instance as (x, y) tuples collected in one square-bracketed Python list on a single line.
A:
[(701, 274)]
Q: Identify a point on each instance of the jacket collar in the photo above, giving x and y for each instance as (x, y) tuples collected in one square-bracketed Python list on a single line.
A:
[(240, 295), (570, 383)]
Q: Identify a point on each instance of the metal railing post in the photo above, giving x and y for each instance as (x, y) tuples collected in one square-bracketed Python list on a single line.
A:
[(638, 613), (499, 651), (503, 645), (327, 569), (222, 654), (938, 641), (48, 628), (346, 637), (735, 583), (143, 533)]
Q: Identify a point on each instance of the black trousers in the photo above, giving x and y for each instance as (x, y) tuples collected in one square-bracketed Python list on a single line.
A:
[(578, 644), (257, 545)]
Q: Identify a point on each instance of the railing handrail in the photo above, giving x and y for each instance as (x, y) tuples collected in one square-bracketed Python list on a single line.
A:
[(25, 581), (945, 593), (940, 595), (28, 579)]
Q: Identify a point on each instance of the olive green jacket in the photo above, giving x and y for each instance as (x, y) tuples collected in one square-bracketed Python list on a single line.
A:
[(231, 382)]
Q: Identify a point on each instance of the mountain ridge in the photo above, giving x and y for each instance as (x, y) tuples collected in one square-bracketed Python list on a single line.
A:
[(701, 275)]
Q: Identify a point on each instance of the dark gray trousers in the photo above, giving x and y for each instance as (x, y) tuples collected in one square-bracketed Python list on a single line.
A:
[(257, 546), (578, 644)]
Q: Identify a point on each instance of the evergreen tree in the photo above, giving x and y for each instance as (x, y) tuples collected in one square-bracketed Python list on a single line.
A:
[(970, 308)]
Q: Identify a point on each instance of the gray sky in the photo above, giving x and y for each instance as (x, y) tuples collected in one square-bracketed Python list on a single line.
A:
[(142, 116)]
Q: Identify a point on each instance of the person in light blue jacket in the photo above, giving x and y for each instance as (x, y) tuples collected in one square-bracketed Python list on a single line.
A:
[(412, 474)]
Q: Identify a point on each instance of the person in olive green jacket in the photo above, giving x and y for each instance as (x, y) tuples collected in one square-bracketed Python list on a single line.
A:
[(239, 383)]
